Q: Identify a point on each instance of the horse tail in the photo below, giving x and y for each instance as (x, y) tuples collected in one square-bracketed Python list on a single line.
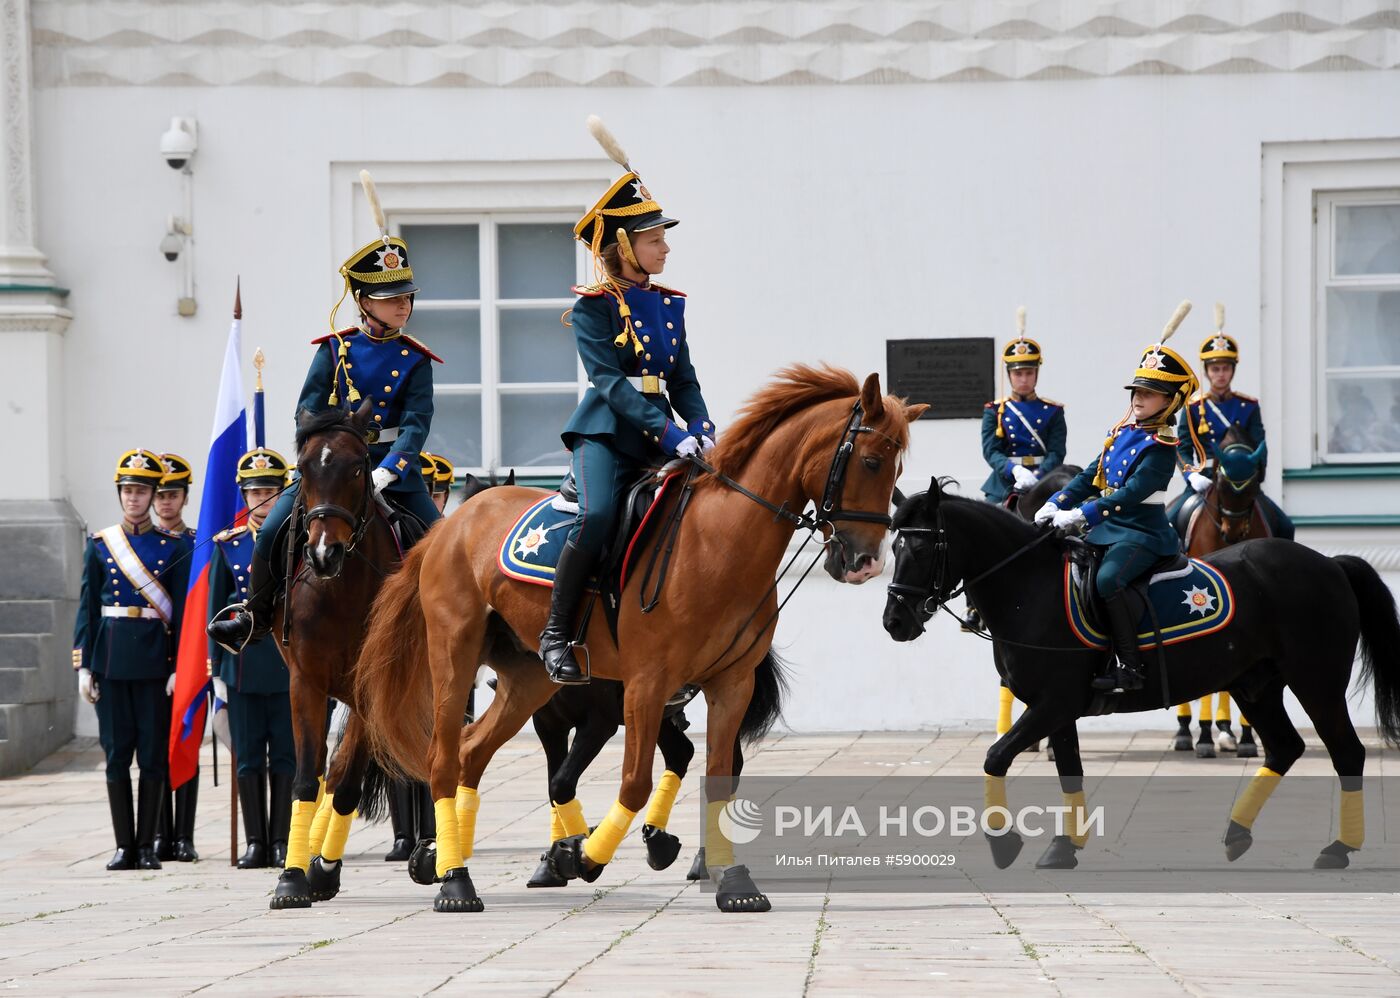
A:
[(374, 792), (1380, 641), (770, 685), (393, 684)]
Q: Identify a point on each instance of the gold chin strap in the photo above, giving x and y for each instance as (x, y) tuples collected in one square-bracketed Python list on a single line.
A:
[(605, 279), (624, 242)]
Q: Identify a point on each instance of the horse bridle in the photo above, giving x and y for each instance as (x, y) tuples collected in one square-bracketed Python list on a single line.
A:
[(1238, 488), (357, 521)]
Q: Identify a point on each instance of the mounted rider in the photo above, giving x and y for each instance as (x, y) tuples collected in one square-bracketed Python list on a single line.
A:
[(1120, 496), (375, 353), (632, 341), (1208, 416)]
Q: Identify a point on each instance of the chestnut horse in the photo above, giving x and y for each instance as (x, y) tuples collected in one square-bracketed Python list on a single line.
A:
[(813, 435)]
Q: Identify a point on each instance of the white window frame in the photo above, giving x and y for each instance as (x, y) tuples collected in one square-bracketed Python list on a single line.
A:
[(489, 307), (1326, 278)]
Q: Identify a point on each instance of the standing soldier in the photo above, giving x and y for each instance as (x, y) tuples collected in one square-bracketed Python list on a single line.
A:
[(133, 589), (443, 476), (255, 682), (175, 835)]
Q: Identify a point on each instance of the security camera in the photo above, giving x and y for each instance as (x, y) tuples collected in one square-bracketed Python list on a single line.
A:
[(178, 144), (176, 229)]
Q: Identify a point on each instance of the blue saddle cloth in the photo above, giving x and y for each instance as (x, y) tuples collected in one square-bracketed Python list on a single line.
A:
[(1190, 603)]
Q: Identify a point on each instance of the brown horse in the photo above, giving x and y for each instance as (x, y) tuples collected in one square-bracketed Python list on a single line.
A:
[(349, 549), (450, 608)]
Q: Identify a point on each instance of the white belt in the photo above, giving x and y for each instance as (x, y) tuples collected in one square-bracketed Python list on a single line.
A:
[(387, 435), (1029, 461), (652, 384), (144, 612)]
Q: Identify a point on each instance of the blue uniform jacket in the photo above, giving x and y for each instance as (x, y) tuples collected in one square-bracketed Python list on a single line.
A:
[(1194, 450), (396, 375), (129, 647), (260, 668), (1138, 467), (636, 425), (1018, 445)]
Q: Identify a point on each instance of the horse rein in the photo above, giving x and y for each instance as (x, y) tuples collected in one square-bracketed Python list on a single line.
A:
[(358, 522)]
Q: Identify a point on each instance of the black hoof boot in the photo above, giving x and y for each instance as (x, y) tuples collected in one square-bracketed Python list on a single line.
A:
[(1205, 750), (568, 861), (401, 850), (293, 891), (698, 870), (123, 859), (1237, 841), (1005, 848), (1061, 855), (1334, 857), (323, 879), (662, 847), (422, 865), (737, 892), (1181, 741), (1248, 748), (146, 858), (457, 893), (545, 875)]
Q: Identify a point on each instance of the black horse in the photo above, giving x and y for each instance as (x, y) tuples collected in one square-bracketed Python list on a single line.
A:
[(1282, 590)]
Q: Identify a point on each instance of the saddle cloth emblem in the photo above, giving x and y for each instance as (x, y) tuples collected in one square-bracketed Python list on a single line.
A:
[(1190, 603)]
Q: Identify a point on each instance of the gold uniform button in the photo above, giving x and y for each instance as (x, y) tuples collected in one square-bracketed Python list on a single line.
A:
[(646, 339), (162, 540), (665, 301), (114, 571), (404, 352), (673, 341), (644, 371), (378, 418), (637, 323), (349, 366), (393, 374), (109, 561), (673, 360), (388, 388), (670, 325), (648, 356), (160, 561)]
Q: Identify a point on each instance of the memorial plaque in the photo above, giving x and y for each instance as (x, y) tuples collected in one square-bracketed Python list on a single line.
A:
[(956, 377)]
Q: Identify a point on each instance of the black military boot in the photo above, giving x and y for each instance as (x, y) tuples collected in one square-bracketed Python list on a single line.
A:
[(165, 829), (254, 618), (402, 812), (1128, 675), (185, 800), (252, 796), (123, 824), (570, 577), (279, 817), (150, 792)]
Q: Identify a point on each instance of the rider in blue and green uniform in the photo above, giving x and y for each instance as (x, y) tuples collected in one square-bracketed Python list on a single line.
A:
[(1120, 497), (1208, 416), (1023, 435), (394, 373), (643, 404)]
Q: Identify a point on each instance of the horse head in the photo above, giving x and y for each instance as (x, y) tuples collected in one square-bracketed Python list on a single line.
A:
[(1238, 475), (333, 458), (920, 564)]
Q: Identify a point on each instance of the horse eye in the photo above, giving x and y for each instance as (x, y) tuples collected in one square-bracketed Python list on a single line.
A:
[(357, 472), (873, 463)]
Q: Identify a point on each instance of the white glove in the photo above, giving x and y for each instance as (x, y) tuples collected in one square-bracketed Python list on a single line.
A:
[(1068, 518), (220, 690), (221, 729), (707, 444), (1199, 482), (1023, 476), (1046, 513), (381, 477), (87, 686), (170, 685), (689, 447)]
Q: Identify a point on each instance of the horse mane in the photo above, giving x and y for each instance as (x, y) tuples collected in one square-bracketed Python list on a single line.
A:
[(796, 387), (912, 512), (310, 423)]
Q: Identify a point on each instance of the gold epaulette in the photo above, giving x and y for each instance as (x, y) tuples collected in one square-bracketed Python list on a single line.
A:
[(231, 532), (1247, 398), (1057, 405), (421, 347), (589, 290), (1167, 435), (666, 291)]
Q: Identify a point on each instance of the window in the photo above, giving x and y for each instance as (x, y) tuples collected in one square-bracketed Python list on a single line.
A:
[(1358, 327), (493, 290)]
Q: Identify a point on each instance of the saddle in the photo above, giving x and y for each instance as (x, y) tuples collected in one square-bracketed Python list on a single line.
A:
[(1086, 559)]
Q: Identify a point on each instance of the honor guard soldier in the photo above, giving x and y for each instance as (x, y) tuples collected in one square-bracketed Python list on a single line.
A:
[(255, 683), (1023, 435), (631, 337), (443, 477), (1120, 497), (1209, 415), (394, 371), (175, 834), (133, 590)]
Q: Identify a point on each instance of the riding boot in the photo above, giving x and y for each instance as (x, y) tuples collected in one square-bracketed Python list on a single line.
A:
[(165, 829), (252, 793), (556, 640), (1128, 674), (150, 792), (402, 811), (185, 800), (279, 817), (253, 618), (123, 824)]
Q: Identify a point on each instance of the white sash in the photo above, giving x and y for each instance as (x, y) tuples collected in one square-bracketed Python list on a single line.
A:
[(137, 573), (1024, 422), (1224, 420)]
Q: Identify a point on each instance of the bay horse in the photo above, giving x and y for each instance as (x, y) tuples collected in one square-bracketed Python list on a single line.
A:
[(815, 434), (1014, 572)]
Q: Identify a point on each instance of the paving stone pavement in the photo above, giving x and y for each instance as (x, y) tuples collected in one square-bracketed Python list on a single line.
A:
[(68, 927)]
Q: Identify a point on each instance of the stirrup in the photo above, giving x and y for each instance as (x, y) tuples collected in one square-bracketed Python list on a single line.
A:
[(222, 617), (587, 676)]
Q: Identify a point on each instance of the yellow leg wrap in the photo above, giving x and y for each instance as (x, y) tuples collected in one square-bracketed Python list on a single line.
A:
[(298, 842), (994, 795), (556, 824), (1004, 711), (1353, 831), (1204, 715), (1252, 800), (571, 814), (604, 840), (719, 851), (321, 822), (1183, 710), (663, 798), (468, 803), (1077, 822), (449, 846), (1222, 706), (333, 848)]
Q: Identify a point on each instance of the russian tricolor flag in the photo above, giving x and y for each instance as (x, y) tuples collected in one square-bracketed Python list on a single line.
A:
[(221, 504)]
